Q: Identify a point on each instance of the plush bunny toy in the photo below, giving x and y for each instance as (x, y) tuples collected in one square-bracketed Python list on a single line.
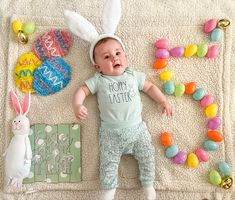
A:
[(19, 153)]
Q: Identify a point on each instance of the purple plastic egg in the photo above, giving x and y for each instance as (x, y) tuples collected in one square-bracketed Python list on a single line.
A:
[(162, 43), (180, 158), (213, 51), (177, 52), (214, 123), (162, 53), (202, 155), (206, 100), (210, 25)]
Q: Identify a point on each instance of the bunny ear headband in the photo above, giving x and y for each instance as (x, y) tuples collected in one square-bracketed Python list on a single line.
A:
[(85, 30)]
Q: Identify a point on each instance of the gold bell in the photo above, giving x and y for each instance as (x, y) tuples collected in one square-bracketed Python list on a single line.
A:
[(226, 182), (22, 37), (223, 23)]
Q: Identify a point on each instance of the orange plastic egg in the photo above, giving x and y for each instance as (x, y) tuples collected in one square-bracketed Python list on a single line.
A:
[(160, 63), (190, 87), (166, 139), (215, 136)]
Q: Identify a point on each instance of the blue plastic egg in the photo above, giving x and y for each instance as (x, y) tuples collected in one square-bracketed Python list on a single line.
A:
[(199, 94), (169, 87), (224, 168), (210, 145), (172, 151), (217, 34)]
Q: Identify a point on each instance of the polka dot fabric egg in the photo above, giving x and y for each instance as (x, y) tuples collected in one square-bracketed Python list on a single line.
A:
[(52, 76), (55, 43)]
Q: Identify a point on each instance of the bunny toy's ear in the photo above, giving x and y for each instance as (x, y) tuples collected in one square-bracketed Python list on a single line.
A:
[(80, 26), (15, 103), (27, 103), (111, 16)]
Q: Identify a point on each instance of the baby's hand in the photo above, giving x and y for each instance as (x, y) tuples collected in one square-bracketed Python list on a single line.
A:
[(166, 108), (80, 112)]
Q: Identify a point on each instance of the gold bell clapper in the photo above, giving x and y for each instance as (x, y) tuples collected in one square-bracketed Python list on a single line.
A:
[(223, 23), (22, 37), (226, 182)]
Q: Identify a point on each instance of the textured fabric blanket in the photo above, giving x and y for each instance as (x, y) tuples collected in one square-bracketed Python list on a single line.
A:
[(141, 24)]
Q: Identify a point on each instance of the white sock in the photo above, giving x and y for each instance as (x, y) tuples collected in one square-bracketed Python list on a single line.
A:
[(108, 194), (150, 193)]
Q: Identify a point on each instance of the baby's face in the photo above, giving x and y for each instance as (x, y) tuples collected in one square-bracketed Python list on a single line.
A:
[(110, 58)]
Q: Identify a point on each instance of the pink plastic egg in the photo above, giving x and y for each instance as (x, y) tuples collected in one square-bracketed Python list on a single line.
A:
[(207, 100), (162, 43), (210, 25), (180, 158), (177, 52), (214, 123), (162, 53), (213, 51), (202, 155)]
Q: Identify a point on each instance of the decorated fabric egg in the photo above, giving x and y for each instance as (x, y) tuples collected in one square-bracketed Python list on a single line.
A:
[(180, 158), (166, 139), (199, 94), (202, 50), (192, 160), (224, 168), (211, 145), (24, 71), (52, 76), (217, 34), (206, 100), (55, 43), (172, 151), (177, 52), (214, 123), (162, 43), (169, 87), (215, 177), (166, 75), (215, 136), (190, 87), (210, 25), (202, 155), (160, 63), (211, 110), (162, 53), (179, 89), (190, 50), (213, 51)]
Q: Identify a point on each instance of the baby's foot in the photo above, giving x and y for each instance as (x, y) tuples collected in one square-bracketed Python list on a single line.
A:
[(149, 193), (108, 194)]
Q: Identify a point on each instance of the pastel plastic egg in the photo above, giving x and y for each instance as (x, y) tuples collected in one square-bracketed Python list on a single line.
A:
[(180, 158), (169, 87), (162, 53), (217, 34), (211, 110), (223, 23), (179, 89), (52, 76), (210, 25), (215, 135), (160, 63), (202, 155), (162, 43), (29, 27), (214, 123), (190, 50), (210, 145), (166, 75), (17, 26), (24, 71), (206, 101), (215, 177), (171, 151), (190, 87), (55, 43), (192, 160), (213, 51), (166, 139), (177, 52), (199, 94), (224, 168), (202, 50)]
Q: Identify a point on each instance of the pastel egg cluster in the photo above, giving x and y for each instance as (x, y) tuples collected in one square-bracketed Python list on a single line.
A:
[(225, 181), (43, 70)]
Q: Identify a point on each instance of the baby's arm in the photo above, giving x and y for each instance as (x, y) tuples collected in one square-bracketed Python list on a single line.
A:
[(156, 94), (79, 109)]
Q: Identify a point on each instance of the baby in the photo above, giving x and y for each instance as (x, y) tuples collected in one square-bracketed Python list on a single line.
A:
[(122, 130)]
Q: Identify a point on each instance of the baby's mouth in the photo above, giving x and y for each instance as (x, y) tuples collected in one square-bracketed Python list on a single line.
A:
[(117, 65)]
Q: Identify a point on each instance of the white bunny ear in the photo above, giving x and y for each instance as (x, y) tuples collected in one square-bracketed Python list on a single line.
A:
[(80, 26), (15, 103), (26, 104), (111, 16)]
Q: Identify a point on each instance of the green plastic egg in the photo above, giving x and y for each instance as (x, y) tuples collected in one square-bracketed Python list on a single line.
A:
[(29, 28), (179, 89), (215, 177), (202, 50), (169, 87)]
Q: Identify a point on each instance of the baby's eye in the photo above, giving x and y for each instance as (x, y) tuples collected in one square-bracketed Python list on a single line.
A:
[(106, 57), (118, 53)]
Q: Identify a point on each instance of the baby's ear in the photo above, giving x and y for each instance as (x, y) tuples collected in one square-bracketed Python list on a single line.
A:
[(97, 67)]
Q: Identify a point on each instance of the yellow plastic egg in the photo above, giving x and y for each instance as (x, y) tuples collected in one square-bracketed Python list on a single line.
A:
[(17, 26), (192, 160), (190, 50), (166, 75), (211, 110)]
